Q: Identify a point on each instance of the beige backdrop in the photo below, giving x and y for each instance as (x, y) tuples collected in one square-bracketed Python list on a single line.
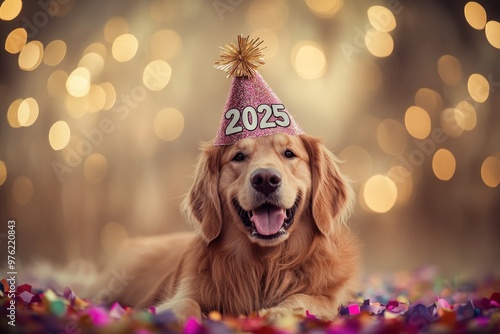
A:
[(104, 107)]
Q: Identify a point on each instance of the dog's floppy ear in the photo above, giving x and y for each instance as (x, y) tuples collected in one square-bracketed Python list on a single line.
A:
[(202, 205), (331, 197)]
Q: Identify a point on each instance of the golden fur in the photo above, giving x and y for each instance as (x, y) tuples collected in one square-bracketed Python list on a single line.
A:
[(312, 267)]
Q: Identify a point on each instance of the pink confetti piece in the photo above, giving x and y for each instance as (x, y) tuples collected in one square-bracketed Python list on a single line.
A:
[(192, 327), (443, 304), (310, 315), (98, 315), (354, 309), (396, 307), (116, 311), (26, 297)]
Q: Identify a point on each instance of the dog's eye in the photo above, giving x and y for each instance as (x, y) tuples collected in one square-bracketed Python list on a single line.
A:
[(239, 157), (289, 154)]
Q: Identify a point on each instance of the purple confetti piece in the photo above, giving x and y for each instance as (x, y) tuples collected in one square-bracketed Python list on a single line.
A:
[(69, 295), (418, 318)]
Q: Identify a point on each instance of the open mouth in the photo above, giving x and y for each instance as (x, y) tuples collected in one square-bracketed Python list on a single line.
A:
[(267, 221)]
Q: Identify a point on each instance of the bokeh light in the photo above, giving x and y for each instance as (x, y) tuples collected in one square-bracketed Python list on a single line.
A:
[(381, 18), (380, 193), (110, 92), (115, 27), (54, 53), (490, 171), (403, 180), (97, 98), (16, 40), (23, 190), (112, 237), (30, 56), (308, 60), (77, 106), (78, 83), (478, 87), (165, 44), (3, 172), (124, 47), (429, 100), (56, 84), (379, 43), (162, 11), (93, 62), (475, 15), (357, 163), (270, 14), (452, 122), (492, 31), (443, 164), (10, 9), (28, 112), (417, 122), (271, 40), (325, 8), (168, 124), (156, 75), (98, 48), (59, 135), (13, 113), (95, 168), (449, 69), (391, 137), (468, 120)]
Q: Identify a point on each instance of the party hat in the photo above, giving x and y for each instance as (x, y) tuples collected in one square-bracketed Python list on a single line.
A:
[(252, 109)]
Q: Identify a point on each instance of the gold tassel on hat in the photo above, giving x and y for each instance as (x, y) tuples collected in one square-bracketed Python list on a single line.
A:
[(240, 60)]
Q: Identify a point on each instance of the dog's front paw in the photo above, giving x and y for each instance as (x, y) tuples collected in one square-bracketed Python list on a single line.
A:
[(278, 315), (183, 309)]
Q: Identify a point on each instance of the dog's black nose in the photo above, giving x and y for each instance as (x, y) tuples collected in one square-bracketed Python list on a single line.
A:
[(265, 180)]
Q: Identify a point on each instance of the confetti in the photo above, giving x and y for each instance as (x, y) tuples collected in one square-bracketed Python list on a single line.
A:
[(394, 305)]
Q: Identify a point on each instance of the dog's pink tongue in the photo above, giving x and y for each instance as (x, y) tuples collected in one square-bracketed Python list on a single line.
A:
[(268, 219)]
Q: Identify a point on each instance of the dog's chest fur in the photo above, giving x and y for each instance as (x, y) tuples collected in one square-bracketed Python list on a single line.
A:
[(242, 283)]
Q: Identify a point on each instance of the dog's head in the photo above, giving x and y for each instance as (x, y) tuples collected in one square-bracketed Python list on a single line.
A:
[(265, 186)]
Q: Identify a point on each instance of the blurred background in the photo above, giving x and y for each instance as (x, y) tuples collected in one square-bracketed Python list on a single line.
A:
[(104, 105)]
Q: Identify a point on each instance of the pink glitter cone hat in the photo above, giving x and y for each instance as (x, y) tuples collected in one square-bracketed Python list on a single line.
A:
[(252, 109)]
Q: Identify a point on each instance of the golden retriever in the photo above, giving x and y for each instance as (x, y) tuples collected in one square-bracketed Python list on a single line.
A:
[(271, 237)]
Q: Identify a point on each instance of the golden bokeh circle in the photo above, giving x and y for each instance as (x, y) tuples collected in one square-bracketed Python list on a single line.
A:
[(380, 193)]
